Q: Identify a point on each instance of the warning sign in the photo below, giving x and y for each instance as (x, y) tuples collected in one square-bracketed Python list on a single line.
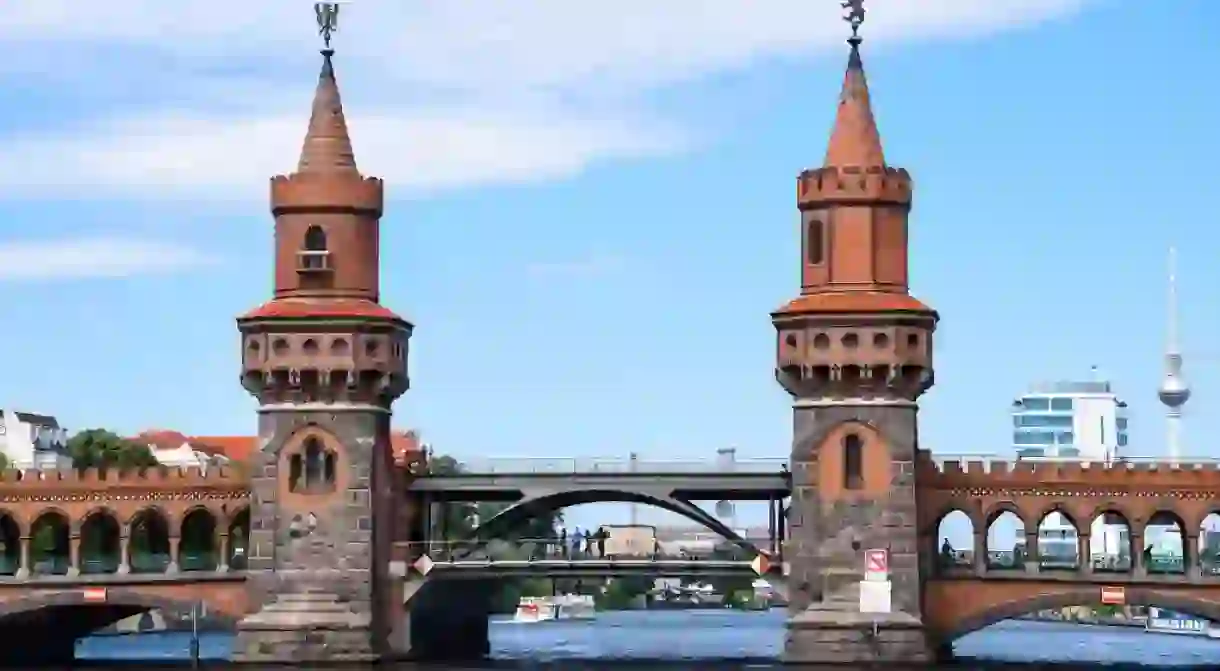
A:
[(876, 564), (761, 564), (1113, 596), (94, 594)]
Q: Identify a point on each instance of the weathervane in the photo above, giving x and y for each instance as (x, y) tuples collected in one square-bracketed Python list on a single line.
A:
[(328, 20), (853, 14)]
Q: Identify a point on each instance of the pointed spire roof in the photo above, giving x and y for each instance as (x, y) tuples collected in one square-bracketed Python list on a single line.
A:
[(855, 141), (328, 147)]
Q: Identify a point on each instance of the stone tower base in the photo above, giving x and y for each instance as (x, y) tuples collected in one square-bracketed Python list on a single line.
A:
[(834, 631), (305, 627)]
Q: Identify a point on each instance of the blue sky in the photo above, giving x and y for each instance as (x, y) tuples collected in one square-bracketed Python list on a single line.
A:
[(592, 208)]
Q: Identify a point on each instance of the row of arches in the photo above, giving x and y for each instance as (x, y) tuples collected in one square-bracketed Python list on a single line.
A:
[(146, 544), (1108, 543)]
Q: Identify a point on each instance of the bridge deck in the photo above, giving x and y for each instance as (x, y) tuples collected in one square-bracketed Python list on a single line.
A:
[(706, 486), (586, 568)]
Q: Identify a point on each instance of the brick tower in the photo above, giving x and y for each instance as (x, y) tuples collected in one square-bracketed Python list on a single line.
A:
[(855, 353), (325, 361)]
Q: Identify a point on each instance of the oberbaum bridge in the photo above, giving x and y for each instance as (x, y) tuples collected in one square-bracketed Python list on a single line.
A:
[(337, 563)]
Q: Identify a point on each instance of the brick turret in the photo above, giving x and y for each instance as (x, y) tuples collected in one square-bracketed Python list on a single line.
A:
[(855, 352), (854, 330), (325, 361)]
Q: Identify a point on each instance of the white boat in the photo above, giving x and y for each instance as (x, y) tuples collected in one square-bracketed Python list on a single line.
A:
[(1162, 621), (547, 608)]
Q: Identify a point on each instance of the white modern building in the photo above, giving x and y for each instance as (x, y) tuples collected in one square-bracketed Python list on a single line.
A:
[(33, 441), (1070, 420), (1073, 420)]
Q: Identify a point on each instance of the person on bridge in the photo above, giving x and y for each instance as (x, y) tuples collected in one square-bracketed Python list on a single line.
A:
[(601, 537), (577, 539), (563, 542)]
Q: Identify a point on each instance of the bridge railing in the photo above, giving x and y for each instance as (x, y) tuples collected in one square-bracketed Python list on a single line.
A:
[(615, 465), (538, 549)]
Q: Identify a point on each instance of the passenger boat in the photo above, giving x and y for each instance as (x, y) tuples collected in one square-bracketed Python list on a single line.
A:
[(533, 609), (1162, 621)]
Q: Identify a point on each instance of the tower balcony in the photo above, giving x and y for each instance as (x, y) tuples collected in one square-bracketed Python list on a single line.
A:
[(313, 261), (876, 361)]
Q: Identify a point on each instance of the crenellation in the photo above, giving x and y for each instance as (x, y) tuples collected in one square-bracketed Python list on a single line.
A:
[(307, 193), (819, 187)]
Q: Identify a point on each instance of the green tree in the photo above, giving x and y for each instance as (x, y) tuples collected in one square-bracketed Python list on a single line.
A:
[(99, 448), (3, 461)]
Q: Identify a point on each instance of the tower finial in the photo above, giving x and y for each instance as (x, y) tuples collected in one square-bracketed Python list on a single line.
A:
[(327, 147), (328, 21), (853, 14), (854, 140)]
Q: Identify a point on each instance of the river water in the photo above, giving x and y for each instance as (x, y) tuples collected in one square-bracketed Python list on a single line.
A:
[(752, 638)]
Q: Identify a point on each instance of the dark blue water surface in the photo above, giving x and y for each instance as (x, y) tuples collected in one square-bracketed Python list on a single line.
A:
[(728, 635)]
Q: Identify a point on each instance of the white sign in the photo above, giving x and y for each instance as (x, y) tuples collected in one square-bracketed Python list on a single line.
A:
[(876, 565), (875, 596)]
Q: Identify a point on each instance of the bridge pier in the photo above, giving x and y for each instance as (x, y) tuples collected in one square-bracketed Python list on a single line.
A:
[(446, 620)]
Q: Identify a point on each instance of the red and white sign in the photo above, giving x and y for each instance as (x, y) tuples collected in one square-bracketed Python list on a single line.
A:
[(94, 594), (877, 561), (1113, 596)]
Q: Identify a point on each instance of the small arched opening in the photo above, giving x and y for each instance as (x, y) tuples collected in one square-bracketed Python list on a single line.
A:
[(955, 541), (239, 539), (197, 544), (1165, 550), (1110, 543), (10, 545), (50, 553), (312, 468), (1209, 545), (99, 543), (1058, 542), (148, 547), (1005, 543)]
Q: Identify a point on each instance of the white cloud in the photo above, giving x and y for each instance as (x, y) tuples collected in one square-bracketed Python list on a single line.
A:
[(583, 68), (183, 157), (89, 258)]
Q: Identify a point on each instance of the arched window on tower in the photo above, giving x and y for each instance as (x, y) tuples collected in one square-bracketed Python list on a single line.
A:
[(314, 255), (815, 242), (311, 470), (853, 462)]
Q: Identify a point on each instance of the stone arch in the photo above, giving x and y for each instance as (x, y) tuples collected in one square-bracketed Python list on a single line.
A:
[(520, 512), (993, 513), (99, 530), (49, 532), (315, 462), (20, 522), (1179, 601), (1062, 510), (149, 530), (197, 533), (115, 598)]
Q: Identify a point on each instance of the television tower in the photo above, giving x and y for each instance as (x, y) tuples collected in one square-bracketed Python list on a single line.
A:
[(1174, 391)]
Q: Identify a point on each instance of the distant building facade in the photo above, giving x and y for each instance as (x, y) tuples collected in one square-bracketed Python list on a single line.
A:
[(1070, 420), (33, 441)]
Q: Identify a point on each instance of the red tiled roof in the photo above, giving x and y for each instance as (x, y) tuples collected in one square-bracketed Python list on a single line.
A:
[(237, 448), (241, 448), (161, 439), (330, 307)]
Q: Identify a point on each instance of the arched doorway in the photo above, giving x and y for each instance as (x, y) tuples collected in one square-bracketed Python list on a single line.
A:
[(50, 553), (10, 545), (239, 537), (197, 547), (99, 543), (148, 545)]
